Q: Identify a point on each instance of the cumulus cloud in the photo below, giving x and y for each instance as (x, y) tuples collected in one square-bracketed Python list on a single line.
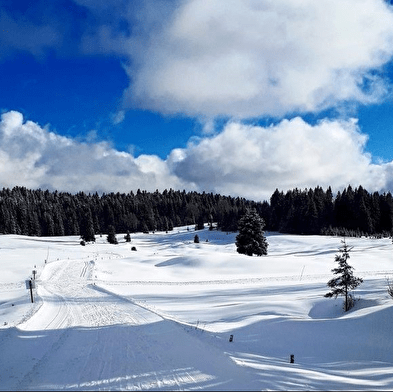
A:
[(253, 161), (250, 58), (243, 160), (32, 156), (238, 58)]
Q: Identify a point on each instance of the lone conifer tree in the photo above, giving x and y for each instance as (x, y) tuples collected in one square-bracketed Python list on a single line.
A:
[(251, 238), (345, 281), (111, 238), (127, 237)]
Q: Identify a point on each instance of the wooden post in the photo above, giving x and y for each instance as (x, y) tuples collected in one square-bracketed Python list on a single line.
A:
[(31, 290)]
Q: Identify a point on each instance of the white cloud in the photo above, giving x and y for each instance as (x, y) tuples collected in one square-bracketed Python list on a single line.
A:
[(243, 160), (253, 161), (34, 157), (238, 58), (250, 58)]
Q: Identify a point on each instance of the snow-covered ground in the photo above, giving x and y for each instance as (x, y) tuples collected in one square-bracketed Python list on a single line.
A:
[(105, 317)]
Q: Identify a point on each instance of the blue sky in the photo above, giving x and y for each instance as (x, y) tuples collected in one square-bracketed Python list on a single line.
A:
[(78, 95), (239, 99)]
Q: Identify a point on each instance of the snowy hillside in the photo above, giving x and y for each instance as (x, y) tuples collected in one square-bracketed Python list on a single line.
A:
[(160, 318)]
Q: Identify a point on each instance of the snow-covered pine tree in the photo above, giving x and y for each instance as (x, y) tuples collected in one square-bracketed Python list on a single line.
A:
[(251, 238), (345, 281), (111, 238)]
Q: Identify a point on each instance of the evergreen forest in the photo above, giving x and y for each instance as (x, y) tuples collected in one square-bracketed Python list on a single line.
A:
[(351, 212)]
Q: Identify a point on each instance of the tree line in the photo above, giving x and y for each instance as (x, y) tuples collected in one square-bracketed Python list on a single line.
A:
[(351, 212), (44, 213)]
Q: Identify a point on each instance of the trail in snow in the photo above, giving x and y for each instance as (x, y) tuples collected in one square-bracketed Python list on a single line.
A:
[(84, 338), (70, 300)]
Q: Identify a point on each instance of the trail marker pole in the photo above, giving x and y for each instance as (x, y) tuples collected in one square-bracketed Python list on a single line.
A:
[(30, 285), (31, 290)]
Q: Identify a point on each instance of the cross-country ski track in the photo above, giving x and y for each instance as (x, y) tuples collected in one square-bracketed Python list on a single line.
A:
[(101, 340)]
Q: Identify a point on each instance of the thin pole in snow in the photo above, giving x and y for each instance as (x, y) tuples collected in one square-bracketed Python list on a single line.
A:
[(31, 290), (301, 275)]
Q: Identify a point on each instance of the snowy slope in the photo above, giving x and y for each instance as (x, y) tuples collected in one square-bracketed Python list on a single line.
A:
[(159, 318)]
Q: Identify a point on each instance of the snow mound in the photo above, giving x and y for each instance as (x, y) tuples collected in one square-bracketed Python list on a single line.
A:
[(184, 261)]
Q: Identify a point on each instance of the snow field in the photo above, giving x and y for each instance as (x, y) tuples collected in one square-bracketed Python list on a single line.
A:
[(159, 318)]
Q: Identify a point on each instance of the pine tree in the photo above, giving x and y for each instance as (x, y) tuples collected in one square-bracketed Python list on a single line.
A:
[(251, 239), (111, 238), (345, 281), (127, 237)]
